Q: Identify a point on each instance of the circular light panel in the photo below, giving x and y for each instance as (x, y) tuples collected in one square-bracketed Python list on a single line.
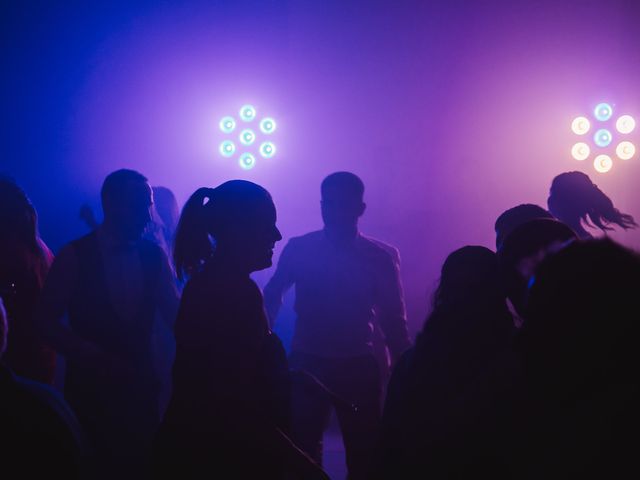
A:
[(580, 151), (602, 138), (247, 161), (227, 125), (247, 137), (267, 149), (603, 112), (580, 125), (625, 124), (625, 150), (603, 163), (267, 125), (247, 113), (227, 148)]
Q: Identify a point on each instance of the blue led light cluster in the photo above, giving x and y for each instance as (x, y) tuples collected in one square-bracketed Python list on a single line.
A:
[(247, 136), (603, 137)]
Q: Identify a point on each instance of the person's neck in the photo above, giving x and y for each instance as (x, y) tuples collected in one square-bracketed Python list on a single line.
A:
[(230, 263), (114, 235), (342, 234)]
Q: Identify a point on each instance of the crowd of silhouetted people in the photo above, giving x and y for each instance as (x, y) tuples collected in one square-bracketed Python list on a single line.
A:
[(525, 367)]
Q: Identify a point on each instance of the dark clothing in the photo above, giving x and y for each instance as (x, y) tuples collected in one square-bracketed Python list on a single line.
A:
[(118, 411), (355, 380), (39, 434), (21, 277), (230, 384)]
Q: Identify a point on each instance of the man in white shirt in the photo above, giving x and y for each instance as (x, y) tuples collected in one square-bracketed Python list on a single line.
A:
[(344, 282)]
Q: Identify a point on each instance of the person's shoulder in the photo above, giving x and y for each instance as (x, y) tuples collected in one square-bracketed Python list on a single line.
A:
[(380, 249), (310, 238)]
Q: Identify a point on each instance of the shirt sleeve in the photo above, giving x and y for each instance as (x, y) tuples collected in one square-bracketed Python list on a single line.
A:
[(390, 307), (282, 280)]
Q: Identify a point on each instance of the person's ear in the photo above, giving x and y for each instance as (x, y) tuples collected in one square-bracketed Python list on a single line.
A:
[(363, 207)]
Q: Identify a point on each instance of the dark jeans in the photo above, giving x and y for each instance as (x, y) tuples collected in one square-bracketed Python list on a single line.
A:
[(357, 381)]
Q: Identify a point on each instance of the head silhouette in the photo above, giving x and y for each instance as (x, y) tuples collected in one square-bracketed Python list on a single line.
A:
[(18, 218), (513, 217), (574, 198), (524, 248), (166, 206), (234, 222), (342, 200), (470, 276), (469, 312), (528, 243), (126, 201)]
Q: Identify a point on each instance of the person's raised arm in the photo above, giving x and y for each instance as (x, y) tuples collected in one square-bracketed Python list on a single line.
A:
[(390, 307), (281, 281)]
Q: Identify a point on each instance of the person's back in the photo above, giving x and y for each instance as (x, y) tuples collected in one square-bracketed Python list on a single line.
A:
[(230, 376), (469, 327)]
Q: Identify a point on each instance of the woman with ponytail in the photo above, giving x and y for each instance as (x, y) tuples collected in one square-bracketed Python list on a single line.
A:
[(229, 411), (575, 200)]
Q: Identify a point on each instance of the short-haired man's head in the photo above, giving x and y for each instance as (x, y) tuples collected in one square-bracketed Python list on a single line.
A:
[(342, 199), (512, 218), (126, 201)]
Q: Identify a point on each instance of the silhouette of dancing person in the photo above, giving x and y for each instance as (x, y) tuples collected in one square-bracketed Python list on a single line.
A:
[(229, 412), (113, 285), (575, 200), (580, 354), (344, 282), (467, 329), (24, 263)]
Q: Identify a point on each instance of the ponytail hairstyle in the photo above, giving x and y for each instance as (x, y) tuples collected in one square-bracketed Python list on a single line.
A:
[(207, 216), (193, 244), (574, 197)]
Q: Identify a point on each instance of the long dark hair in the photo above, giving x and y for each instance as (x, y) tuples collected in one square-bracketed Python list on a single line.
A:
[(574, 197), (207, 216), (471, 295), (19, 227)]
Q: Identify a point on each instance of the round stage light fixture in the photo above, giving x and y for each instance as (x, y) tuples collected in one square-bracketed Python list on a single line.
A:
[(580, 125), (625, 150), (625, 124), (580, 151), (227, 125), (267, 149), (603, 112), (247, 137), (227, 148), (602, 138), (247, 113), (268, 125), (247, 161), (603, 163)]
